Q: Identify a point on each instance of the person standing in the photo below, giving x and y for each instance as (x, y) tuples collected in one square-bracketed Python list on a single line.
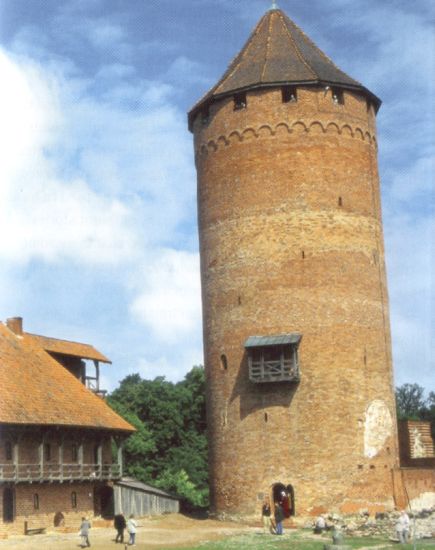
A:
[(132, 528), (265, 514), (120, 525), (402, 527), (279, 516), (84, 532)]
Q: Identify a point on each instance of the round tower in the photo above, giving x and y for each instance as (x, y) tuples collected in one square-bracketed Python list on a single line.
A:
[(300, 396)]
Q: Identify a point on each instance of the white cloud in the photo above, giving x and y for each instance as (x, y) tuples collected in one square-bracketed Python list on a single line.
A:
[(172, 367), (43, 215), (168, 302)]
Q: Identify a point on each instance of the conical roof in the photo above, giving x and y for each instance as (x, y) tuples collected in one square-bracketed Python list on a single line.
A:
[(278, 52)]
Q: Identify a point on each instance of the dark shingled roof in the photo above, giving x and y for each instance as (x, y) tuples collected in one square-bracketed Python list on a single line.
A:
[(277, 53), (276, 340)]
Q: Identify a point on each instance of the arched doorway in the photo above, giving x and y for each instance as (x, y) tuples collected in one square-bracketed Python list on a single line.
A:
[(285, 495), (8, 505)]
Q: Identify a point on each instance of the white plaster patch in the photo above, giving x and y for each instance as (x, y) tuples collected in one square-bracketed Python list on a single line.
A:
[(418, 450), (423, 501), (377, 427)]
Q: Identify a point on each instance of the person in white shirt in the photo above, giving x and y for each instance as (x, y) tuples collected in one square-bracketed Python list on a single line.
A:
[(131, 528), (402, 527)]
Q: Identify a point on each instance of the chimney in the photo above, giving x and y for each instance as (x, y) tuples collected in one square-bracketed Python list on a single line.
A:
[(15, 324)]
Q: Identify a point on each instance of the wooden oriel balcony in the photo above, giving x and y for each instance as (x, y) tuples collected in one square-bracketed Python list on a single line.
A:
[(35, 473), (281, 370)]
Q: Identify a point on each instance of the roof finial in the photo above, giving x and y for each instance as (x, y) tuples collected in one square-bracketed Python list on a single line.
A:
[(274, 5)]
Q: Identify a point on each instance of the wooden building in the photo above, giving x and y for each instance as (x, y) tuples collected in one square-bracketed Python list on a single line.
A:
[(56, 433), (140, 499)]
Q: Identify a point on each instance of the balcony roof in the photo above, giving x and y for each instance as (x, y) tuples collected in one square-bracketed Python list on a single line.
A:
[(275, 340)]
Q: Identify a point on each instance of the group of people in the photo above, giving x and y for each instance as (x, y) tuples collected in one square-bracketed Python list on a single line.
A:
[(120, 524), (272, 525)]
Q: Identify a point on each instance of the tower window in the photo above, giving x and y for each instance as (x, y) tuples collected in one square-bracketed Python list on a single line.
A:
[(337, 96), (340, 201), (73, 499), (288, 94), (240, 101), (224, 361), (205, 115), (36, 501)]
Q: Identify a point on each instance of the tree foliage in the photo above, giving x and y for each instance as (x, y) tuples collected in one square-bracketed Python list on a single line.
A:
[(412, 404), (169, 449)]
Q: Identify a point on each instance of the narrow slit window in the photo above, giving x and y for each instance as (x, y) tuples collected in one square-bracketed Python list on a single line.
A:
[(224, 362), (289, 94), (266, 418), (240, 101), (340, 201), (337, 96), (73, 499), (36, 501)]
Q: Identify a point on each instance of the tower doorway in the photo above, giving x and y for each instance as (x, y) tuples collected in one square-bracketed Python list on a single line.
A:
[(284, 494), (8, 505)]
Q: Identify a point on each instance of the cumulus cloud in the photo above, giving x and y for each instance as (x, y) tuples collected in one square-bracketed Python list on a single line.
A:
[(168, 303), (41, 214)]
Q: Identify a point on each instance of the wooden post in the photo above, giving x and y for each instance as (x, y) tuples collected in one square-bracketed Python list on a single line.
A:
[(60, 460), (120, 457), (41, 457), (81, 457), (16, 458), (100, 459)]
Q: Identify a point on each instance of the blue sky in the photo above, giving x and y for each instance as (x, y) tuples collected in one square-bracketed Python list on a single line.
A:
[(98, 238)]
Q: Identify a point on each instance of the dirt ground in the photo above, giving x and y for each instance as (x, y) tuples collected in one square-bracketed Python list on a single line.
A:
[(171, 531)]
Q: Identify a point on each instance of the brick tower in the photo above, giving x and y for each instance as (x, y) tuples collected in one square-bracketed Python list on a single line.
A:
[(295, 307)]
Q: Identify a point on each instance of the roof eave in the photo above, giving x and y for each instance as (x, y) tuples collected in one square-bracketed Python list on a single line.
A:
[(211, 98)]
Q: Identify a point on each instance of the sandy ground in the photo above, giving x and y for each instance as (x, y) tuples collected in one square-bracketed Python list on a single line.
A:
[(172, 531)]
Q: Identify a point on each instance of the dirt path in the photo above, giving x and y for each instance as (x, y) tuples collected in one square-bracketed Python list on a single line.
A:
[(171, 531)]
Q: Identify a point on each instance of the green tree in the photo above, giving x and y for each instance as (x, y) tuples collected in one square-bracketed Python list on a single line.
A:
[(409, 401), (170, 448)]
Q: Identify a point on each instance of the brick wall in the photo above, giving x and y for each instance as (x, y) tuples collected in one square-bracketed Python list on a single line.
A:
[(52, 498), (291, 241)]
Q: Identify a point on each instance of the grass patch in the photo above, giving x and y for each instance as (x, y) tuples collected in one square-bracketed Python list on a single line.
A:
[(298, 540)]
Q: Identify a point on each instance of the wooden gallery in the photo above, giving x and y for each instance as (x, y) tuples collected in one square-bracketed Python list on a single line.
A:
[(56, 433)]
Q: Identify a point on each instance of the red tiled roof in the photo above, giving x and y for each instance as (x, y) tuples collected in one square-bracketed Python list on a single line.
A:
[(278, 52), (36, 389), (65, 347)]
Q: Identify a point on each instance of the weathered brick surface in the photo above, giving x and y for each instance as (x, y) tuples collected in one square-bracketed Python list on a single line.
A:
[(53, 498), (291, 241)]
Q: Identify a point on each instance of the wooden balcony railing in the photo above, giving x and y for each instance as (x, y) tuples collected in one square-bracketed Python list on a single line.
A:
[(281, 370), (58, 472)]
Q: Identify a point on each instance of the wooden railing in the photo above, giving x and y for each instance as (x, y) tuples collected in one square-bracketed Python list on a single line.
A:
[(284, 370), (58, 472)]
